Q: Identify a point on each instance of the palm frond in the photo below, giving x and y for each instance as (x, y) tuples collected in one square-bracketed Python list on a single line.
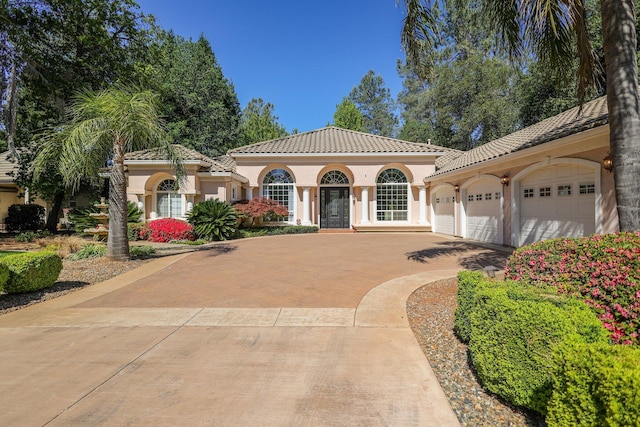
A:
[(419, 34)]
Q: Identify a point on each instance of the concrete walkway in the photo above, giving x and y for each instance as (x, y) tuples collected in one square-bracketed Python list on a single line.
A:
[(281, 331)]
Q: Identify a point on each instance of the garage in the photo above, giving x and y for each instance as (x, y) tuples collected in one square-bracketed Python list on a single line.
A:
[(444, 201), (483, 211), (557, 201)]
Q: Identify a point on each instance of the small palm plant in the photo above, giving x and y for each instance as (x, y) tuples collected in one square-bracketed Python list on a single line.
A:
[(213, 220)]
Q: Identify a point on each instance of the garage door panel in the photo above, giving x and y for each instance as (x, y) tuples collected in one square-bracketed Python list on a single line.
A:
[(561, 212), (482, 209), (444, 203)]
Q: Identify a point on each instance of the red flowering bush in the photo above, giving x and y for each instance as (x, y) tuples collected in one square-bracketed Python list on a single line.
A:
[(261, 207), (168, 229), (603, 270)]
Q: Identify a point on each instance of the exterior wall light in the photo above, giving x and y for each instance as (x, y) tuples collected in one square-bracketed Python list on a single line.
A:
[(504, 180), (456, 188), (607, 163)]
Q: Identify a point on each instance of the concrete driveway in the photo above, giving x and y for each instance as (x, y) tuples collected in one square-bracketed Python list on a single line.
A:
[(279, 331)]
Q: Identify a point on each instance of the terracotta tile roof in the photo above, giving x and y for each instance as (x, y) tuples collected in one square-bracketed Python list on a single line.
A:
[(333, 140), (593, 114), (219, 164)]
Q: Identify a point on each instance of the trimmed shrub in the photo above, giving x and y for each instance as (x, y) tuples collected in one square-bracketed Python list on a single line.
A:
[(514, 330), (4, 276), (141, 251), (603, 270), (213, 220), (169, 229), (595, 385), (31, 271), (467, 284), (277, 230), (25, 218)]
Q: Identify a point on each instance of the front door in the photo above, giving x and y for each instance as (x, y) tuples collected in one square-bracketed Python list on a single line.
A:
[(334, 207)]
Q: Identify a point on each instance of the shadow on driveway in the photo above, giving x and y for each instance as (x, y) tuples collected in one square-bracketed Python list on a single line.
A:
[(477, 257)]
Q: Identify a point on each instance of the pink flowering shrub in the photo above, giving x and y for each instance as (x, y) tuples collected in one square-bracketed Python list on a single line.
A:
[(261, 207), (168, 229), (603, 270)]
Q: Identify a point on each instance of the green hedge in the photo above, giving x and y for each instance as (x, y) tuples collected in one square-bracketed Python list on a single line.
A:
[(596, 385), (4, 275), (514, 330), (31, 271), (468, 281)]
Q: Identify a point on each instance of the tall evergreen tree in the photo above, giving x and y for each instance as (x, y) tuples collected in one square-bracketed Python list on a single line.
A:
[(374, 101), (259, 123), (199, 103), (347, 116)]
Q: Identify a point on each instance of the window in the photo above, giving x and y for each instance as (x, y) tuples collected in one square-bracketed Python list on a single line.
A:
[(234, 193), (587, 188), (545, 192), (169, 201), (528, 193), (278, 185), (478, 196), (334, 177), (470, 198), (564, 190), (392, 196), (487, 196), (437, 199), (497, 196)]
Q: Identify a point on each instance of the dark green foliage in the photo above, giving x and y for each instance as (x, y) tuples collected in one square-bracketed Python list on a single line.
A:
[(467, 284), (29, 236), (25, 218), (374, 101), (259, 123), (347, 116), (142, 251), (514, 331), (276, 231), (4, 276), (596, 385), (213, 220), (31, 271)]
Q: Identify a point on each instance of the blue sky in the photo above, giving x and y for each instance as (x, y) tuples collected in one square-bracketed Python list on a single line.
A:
[(303, 56)]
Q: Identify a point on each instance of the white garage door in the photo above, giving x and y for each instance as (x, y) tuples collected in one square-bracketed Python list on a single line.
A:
[(482, 208), (557, 201), (444, 202)]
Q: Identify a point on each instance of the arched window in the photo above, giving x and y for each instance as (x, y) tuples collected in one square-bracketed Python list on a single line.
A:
[(169, 201), (334, 177), (278, 185), (392, 196)]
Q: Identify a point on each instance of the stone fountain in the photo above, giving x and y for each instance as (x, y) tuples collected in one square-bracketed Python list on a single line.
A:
[(101, 230)]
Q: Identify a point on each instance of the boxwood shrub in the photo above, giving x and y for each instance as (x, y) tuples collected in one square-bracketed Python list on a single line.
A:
[(514, 330), (4, 276), (603, 270), (595, 385), (468, 281), (31, 271)]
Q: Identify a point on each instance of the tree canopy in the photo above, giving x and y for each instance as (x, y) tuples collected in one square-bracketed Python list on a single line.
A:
[(259, 123), (374, 101), (347, 116)]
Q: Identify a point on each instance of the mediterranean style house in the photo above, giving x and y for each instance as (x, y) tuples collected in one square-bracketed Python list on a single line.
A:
[(547, 180), (541, 182)]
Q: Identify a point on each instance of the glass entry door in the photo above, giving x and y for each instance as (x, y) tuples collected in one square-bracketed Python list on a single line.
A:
[(334, 207)]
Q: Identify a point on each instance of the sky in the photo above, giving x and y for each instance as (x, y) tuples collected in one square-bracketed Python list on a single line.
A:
[(303, 56)]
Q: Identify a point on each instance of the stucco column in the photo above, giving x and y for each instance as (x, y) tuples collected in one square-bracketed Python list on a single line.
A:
[(249, 193), (306, 206), (422, 200), (365, 206)]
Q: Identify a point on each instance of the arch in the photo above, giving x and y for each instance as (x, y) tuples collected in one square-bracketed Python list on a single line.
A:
[(155, 203), (392, 201), (335, 167), (516, 212), (278, 183), (263, 173), (399, 166)]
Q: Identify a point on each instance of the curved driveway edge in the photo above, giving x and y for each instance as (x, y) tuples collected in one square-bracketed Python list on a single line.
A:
[(66, 362)]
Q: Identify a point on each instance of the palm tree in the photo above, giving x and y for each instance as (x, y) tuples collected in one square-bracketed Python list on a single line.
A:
[(105, 125), (555, 30)]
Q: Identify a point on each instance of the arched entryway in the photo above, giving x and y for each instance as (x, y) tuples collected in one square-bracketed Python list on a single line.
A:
[(334, 200)]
